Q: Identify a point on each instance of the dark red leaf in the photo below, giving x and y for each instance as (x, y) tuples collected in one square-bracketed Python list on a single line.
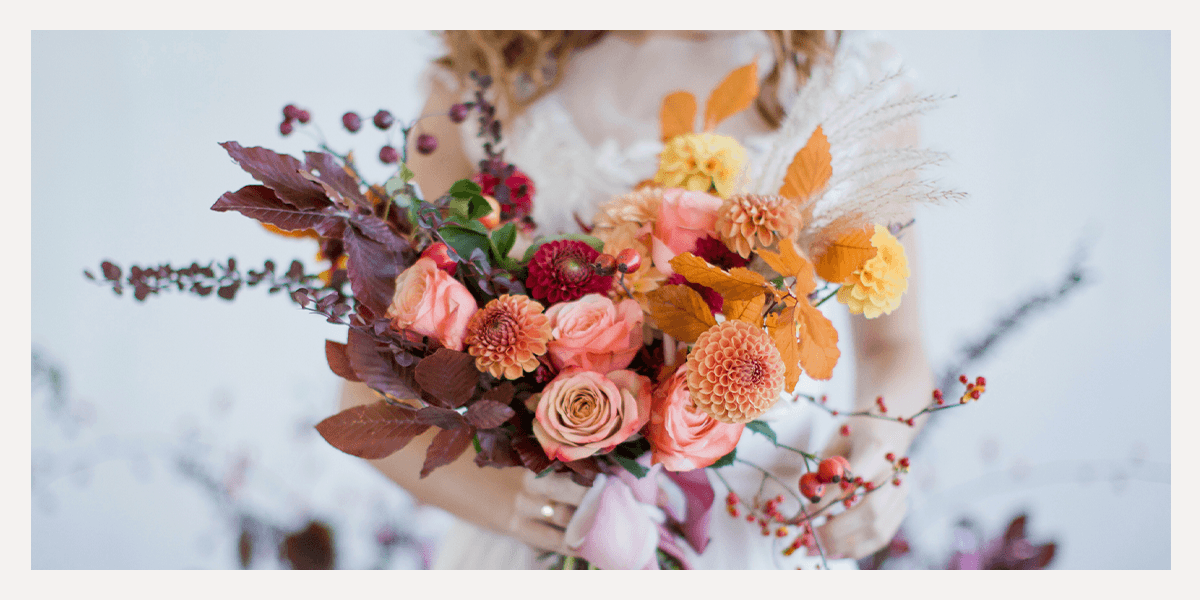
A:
[(496, 450), (449, 375), (309, 548), (373, 268), (502, 393), (446, 446), (229, 291), (441, 417), (111, 272), (1044, 556), (259, 202), (585, 470), (281, 173), (372, 430), (531, 454), (332, 174), (339, 363), (376, 367), (486, 414), (378, 230), (245, 547), (1016, 529)]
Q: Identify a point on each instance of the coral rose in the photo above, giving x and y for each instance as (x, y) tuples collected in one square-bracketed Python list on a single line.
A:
[(683, 218), (583, 412), (431, 302), (593, 333), (683, 437), (735, 372)]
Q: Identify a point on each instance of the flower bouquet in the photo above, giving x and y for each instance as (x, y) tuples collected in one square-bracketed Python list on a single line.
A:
[(633, 357)]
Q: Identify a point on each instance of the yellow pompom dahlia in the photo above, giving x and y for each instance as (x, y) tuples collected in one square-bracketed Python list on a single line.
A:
[(700, 162), (875, 288), (735, 372)]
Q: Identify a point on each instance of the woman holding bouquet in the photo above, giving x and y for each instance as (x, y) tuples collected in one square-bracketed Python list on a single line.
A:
[(580, 112)]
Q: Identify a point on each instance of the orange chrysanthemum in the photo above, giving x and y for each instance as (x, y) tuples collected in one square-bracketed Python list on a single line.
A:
[(638, 207), (735, 372), (746, 221), (507, 336)]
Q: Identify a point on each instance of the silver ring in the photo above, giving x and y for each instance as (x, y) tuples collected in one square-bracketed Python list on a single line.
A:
[(547, 511)]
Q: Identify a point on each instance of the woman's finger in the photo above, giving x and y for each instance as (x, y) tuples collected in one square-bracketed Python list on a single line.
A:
[(864, 527), (544, 536), (540, 508), (555, 486)]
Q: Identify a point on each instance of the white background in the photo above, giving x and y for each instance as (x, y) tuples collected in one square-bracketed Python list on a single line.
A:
[(1057, 137)]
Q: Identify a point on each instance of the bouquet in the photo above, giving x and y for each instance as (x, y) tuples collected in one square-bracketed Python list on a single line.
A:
[(632, 357)]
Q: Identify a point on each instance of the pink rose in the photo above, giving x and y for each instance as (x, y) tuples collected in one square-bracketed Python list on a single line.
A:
[(583, 412), (431, 302), (593, 333), (683, 437), (683, 217)]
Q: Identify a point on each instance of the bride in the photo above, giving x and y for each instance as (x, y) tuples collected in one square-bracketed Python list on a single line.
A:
[(580, 112)]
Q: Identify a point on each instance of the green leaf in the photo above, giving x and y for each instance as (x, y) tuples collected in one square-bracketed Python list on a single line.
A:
[(504, 238), (394, 185), (630, 465), (475, 442), (406, 174), (464, 240), (461, 208), (548, 470), (725, 461), (465, 188), (761, 428), (479, 207)]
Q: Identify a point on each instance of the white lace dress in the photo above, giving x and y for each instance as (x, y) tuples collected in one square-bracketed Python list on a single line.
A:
[(596, 136)]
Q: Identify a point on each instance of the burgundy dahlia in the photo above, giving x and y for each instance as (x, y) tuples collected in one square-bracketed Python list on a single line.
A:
[(716, 253), (520, 189), (561, 271)]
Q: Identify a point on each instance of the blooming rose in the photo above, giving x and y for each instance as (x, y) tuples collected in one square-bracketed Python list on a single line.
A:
[(683, 437), (583, 412), (431, 302), (683, 218), (593, 333)]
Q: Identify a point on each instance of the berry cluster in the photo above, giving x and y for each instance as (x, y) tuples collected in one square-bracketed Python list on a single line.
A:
[(292, 113), (625, 262), (383, 120)]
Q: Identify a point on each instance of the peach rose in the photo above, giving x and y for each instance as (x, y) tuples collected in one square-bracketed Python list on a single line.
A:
[(593, 333), (683, 437), (683, 217), (431, 302), (583, 412)]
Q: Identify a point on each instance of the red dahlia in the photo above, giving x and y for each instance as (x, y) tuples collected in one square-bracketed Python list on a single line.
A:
[(713, 299), (561, 271), (716, 253), (520, 189)]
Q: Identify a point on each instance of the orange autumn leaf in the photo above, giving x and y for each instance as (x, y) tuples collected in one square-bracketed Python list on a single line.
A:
[(737, 284), (299, 233), (810, 169), (845, 255), (680, 311), (782, 329), (749, 311), (731, 96), (678, 114), (818, 342), (789, 263)]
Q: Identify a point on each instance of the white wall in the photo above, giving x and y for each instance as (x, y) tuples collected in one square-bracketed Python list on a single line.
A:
[(1058, 137)]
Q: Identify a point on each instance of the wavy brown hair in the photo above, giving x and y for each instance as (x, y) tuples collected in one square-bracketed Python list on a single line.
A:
[(528, 64)]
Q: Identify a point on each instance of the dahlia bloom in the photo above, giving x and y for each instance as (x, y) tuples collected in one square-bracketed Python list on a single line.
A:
[(700, 162), (507, 335), (746, 221), (562, 271), (735, 372), (875, 288)]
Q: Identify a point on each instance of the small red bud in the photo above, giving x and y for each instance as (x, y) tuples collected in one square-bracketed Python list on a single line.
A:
[(858, 481), (975, 394), (845, 485), (911, 423), (388, 155), (291, 112), (891, 457), (628, 261), (980, 381), (426, 144), (845, 430), (285, 128), (749, 518), (383, 119), (904, 462), (303, 116), (937, 394), (352, 122), (458, 113), (833, 413), (870, 485), (962, 379), (896, 482)]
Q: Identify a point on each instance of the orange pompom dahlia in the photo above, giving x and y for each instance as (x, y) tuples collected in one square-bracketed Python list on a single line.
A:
[(746, 221), (735, 372), (507, 336)]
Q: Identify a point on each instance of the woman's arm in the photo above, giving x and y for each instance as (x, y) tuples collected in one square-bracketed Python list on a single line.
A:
[(505, 500)]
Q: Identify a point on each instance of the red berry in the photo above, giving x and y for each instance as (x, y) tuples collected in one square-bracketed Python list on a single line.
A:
[(811, 487), (426, 143), (731, 498), (980, 381), (285, 128), (303, 116), (896, 482), (910, 422), (781, 532), (291, 112), (975, 394), (605, 265), (383, 119), (870, 485), (904, 462), (937, 394), (845, 430), (891, 457), (829, 471), (749, 518), (833, 413), (352, 122), (845, 485), (841, 460), (440, 254), (388, 155), (962, 379), (858, 481), (628, 261), (459, 112)]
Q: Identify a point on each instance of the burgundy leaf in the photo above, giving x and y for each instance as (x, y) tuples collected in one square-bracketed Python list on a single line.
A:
[(378, 230), (259, 202), (229, 291), (372, 431), (585, 470), (531, 454), (310, 548), (449, 375), (441, 417), (111, 272), (332, 174), (1016, 529), (281, 173), (487, 414), (1043, 557), (496, 450), (376, 367), (339, 363), (502, 393), (373, 268), (446, 446)]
